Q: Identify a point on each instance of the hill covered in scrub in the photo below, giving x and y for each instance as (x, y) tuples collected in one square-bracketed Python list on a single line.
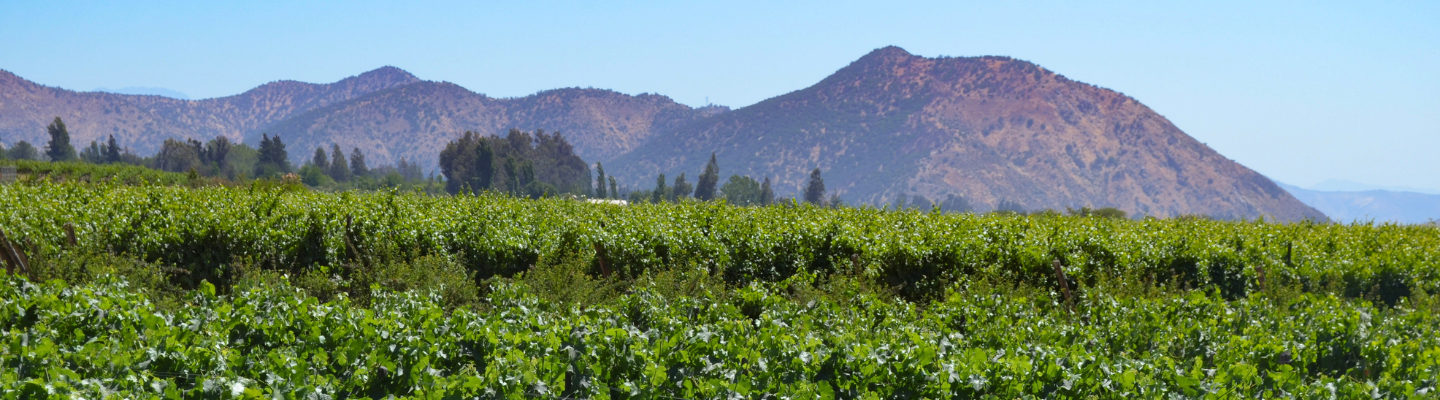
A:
[(990, 129), (994, 131)]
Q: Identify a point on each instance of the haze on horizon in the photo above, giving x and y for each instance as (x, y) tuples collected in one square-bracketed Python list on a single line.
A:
[(1302, 93)]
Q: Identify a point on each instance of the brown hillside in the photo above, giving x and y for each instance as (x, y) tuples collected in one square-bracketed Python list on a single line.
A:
[(415, 121), (143, 122), (387, 113), (990, 129)]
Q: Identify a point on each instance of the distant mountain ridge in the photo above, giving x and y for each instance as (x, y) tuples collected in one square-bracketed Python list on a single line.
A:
[(143, 122), (990, 129), (1371, 205), (146, 91), (388, 113)]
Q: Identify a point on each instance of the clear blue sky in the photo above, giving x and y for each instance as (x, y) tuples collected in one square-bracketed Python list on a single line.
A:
[(1302, 91)]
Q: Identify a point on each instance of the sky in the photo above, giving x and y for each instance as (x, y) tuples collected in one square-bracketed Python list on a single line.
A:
[(1303, 92)]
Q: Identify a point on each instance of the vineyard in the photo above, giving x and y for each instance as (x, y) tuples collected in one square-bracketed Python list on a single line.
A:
[(144, 290)]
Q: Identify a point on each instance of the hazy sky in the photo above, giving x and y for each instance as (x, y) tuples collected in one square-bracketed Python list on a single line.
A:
[(1301, 92)]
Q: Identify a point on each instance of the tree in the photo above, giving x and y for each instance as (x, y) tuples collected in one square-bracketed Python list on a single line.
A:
[(600, 181), (112, 151), (659, 194), (176, 156), (23, 150), (92, 154), (1110, 212), (815, 191), (921, 202), (614, 190), (955, 204), (339, 169), (272, 160), (741, 191), (320, 159), (681, 190), (767, 195), (59, 148), (705, 186), (357, 163), (215, 153), (835, 201)]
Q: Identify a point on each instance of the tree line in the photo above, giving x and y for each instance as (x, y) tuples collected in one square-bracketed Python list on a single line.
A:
[(740, 190), (222, 158), (520, 163), (530, 164)]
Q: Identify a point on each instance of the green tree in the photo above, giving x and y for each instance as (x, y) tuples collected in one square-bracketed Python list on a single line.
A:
[(681, 189), (59, 148), (339, 170), (215, 154), (614, 189), (357, 163), (661, 192), (23, 150), (112, 151), (272, 159), (767, 195), (600, 181), (741, 191), (955, 204), (314, 176), (176, 156), (705, 186), (93, 154), (815, 190), (320, 160), (920, 202)]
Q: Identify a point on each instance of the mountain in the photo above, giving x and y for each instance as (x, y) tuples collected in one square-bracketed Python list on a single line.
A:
[(415, 121), (990, 129), (143, 122), (153, 91), (891, 124), (387, 113), (1368, 205), (1338, 185)]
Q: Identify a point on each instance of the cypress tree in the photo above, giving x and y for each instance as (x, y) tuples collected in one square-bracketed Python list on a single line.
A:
[(112, 151), (659, 194), (815, 191), (357, 163), (614, 190), (600, 181), (338, 168), (59, 148), (320, 159), (767, 195), (681, 190), (706, 185)]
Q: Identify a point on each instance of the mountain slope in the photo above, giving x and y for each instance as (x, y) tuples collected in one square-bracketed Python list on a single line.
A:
[(144, 122), (1377, 205), (415, 121), (387, 113), (990, 129)]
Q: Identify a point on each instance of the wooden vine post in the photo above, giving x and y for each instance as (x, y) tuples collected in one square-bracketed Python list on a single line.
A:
[(70, 234), (15, 259)]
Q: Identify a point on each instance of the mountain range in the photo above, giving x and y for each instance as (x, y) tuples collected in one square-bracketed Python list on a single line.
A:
[(1371, 205), (990, 129)]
